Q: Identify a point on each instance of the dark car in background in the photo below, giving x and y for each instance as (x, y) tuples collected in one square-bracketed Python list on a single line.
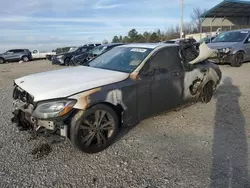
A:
[(15, 55), (83, 58), (101, 49), (64, 58)]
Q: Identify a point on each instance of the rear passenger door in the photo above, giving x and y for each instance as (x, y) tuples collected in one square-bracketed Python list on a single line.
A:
[(167, 87)]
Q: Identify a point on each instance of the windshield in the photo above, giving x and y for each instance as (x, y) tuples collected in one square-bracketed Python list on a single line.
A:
[(123, 59), (236, 36), (98, 50), (73, 49)]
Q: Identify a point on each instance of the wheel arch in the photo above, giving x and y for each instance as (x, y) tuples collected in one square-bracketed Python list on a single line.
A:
[(238, 51), (23, 55), (117, 108)]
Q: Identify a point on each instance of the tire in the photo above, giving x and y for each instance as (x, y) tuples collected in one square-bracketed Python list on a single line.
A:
[(67, 61), (207, 93), (25, 59), (237, 59), (2, 61), (88, 135)]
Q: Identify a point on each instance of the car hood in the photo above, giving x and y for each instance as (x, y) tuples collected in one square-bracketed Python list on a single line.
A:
[(220, 45), (68, 81)]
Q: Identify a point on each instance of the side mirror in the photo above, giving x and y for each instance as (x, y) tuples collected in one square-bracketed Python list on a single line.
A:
[(248, 40)]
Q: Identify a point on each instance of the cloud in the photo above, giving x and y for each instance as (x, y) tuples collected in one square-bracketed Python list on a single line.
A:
[(107, 4), (91, 20), (47, 24)]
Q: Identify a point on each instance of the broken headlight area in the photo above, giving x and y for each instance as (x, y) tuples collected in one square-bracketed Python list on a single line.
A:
[(46, 118), (224, 55), (226, 50), (53, 109)]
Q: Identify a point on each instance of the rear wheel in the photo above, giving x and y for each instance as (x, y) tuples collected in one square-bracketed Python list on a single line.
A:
[(238, 59), (2, 61), (207, 93), (67, 61), (25, 58), (95, 129)]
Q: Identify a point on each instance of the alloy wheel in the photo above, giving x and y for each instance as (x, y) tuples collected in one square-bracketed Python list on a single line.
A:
[(97, 128)]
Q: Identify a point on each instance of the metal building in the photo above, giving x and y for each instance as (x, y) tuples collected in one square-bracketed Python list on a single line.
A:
[(227, 15)]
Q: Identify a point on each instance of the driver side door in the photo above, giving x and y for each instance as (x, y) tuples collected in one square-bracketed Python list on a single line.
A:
[(168, 82)]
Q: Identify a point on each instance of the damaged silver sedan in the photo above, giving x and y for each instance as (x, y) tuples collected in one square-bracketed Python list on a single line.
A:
[(89, 104)]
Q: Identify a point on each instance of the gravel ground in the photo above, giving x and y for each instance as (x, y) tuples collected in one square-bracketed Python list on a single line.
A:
[(202, 145)]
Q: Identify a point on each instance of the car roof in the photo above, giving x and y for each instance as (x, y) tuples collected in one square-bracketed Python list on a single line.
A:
[(147, 45), (19, 49), (247, 29)]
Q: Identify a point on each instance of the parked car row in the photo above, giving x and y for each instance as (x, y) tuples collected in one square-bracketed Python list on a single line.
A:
[(25, 54), (80, 55)]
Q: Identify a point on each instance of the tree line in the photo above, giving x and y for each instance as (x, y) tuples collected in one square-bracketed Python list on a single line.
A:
[(158, 36)]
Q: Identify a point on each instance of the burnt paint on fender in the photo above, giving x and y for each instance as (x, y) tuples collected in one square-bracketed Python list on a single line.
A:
[(123, 94)]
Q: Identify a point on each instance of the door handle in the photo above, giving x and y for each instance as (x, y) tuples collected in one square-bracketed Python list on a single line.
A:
[(175, 74)]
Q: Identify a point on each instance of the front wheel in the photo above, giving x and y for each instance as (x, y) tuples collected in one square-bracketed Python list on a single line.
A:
[(238, 59), (207, 93), (67, 61), (95, 129)]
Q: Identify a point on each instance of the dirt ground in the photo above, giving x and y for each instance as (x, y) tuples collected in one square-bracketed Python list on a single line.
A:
[(202, 145)]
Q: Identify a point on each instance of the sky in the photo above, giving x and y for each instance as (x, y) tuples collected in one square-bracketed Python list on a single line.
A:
[(48, 24)]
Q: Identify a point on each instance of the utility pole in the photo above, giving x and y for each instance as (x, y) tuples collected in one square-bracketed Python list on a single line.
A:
[(181, 26)]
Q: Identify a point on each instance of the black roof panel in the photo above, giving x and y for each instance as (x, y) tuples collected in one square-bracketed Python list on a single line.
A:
[(229, 8)]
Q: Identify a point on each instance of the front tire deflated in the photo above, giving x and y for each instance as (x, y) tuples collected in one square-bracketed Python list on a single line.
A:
[(94, 129)]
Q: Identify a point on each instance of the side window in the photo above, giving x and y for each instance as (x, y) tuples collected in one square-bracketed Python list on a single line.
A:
[(166, 59), (18, 51), (15, 51), (10, 52), (35, 51)]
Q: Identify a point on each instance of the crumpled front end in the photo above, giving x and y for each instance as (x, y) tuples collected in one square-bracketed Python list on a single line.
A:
[(222, 57), (25, 117)]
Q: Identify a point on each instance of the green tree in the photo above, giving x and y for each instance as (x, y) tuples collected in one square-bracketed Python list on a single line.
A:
[(115, 39), (120, 38), (105, 41), (126, 39), (140, 38), (154, 37), (132, 35), (146, 36)]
